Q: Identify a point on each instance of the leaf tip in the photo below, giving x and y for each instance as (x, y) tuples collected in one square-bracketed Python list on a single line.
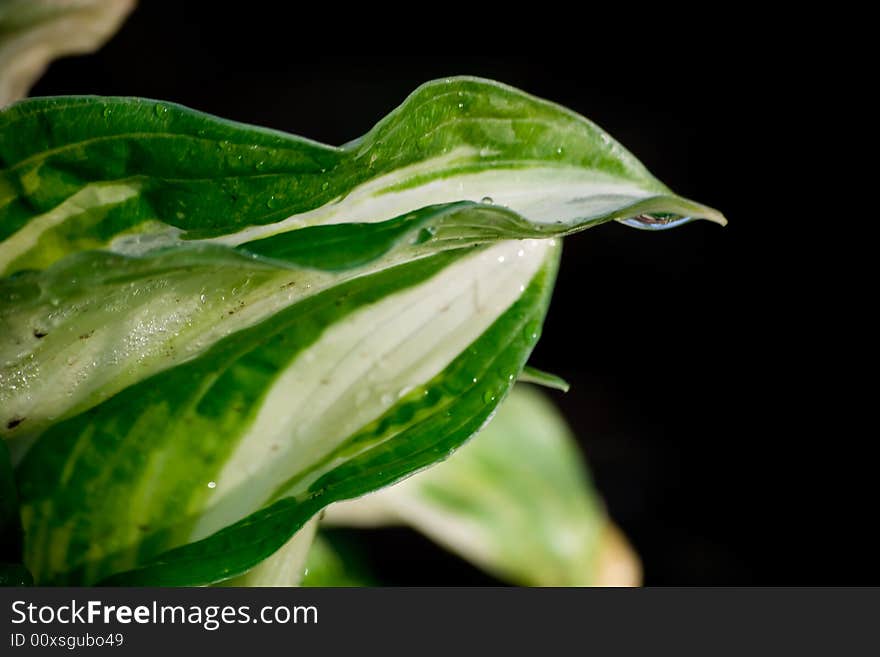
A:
[(714, 216), (546, 379)]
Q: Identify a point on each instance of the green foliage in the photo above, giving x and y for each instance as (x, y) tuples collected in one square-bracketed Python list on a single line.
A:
[(210, 331)]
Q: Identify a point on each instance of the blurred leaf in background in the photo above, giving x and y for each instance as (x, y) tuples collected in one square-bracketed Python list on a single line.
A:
[(34, 32), (516, 501)]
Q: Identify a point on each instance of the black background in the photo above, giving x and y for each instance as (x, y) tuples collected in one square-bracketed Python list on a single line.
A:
[(697, 357)]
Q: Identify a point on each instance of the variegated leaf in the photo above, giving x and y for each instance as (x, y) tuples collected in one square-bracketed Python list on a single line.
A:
[(515, 500), (211, 331)]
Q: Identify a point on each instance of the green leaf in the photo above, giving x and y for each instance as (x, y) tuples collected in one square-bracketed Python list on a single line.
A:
[(34, 32), (95, 323), (333, 562), (286, 566), (343, 392), (129, 174), (212, 331), (546, 379), (516, 500)]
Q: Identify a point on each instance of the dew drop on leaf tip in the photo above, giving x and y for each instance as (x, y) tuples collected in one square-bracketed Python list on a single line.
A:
[(658, 221)]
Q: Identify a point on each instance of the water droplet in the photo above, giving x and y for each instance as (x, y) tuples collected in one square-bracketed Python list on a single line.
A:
[(160, 110), (203, 298), (475, 379), (373, 158), (532, 331), (272, 202), (425, 234), (261, 164), (487, 200), (461, 106), (212, 484), (488, 397), (655, 221), (559, 151), (404, 391), (107, 112), (325, 186)]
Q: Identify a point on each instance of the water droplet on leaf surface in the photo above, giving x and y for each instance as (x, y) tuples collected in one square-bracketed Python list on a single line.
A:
[(532, 331), (425, 234), (655, 221)]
